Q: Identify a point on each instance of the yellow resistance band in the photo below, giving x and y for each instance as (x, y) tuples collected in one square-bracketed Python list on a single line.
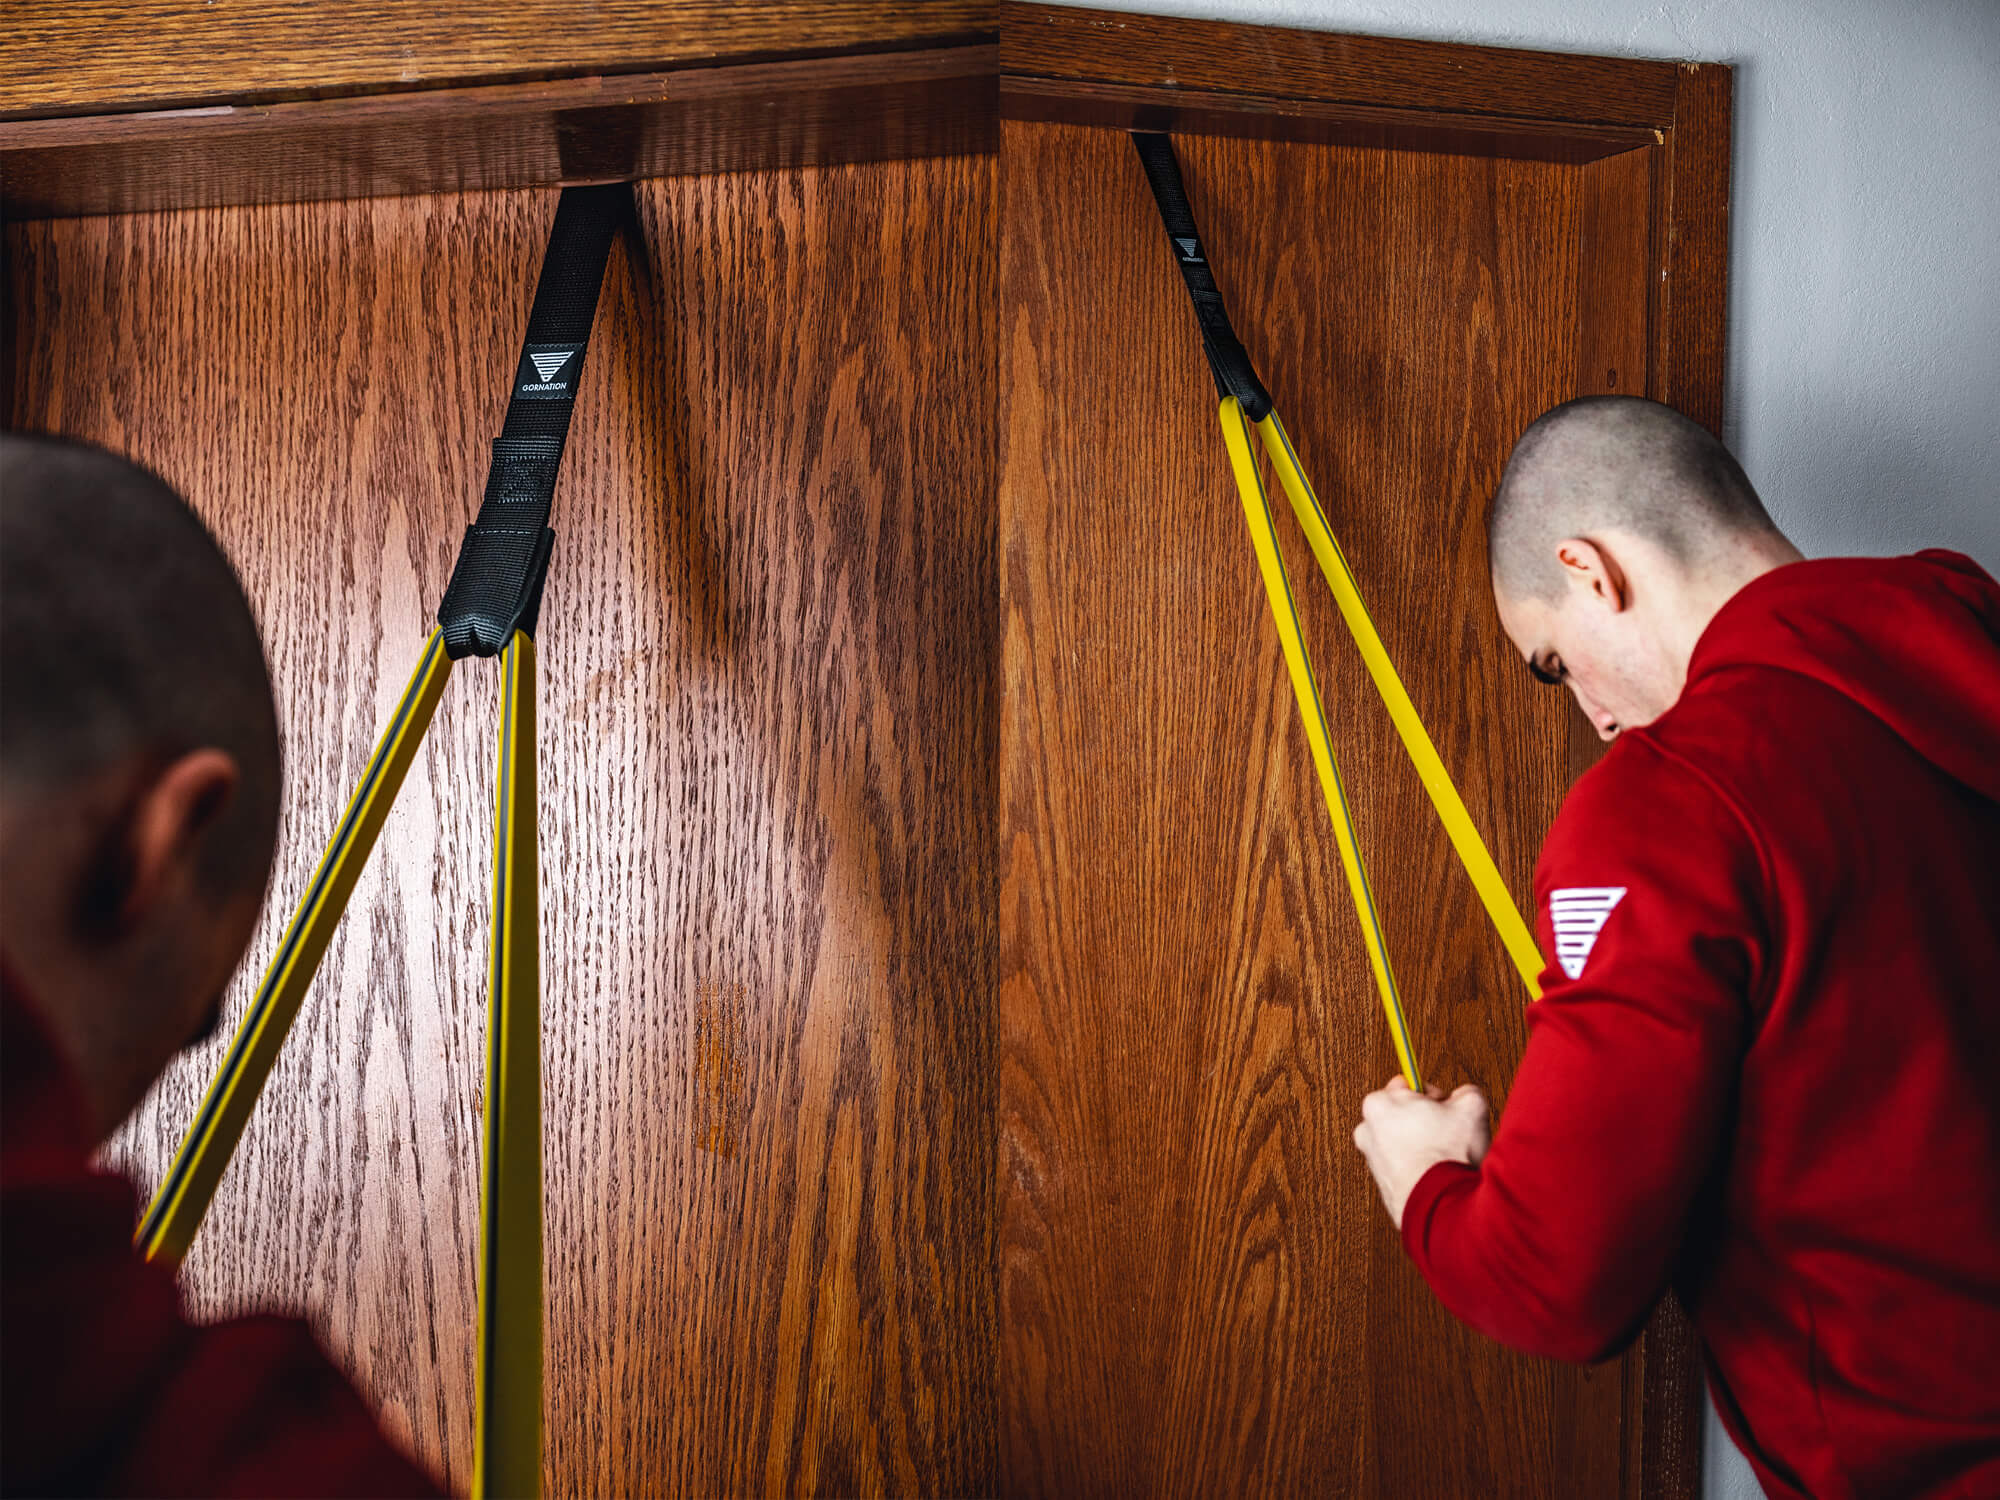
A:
[(507, 1452), (1500, 909), (1284, 610), (176, 1211), (1451, 810), (508, 1419)]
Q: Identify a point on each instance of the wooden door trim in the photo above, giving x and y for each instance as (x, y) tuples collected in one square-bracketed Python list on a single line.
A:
[(872, 106), (1126, 71), (1691, 228), (94, 57), (1215, 62)]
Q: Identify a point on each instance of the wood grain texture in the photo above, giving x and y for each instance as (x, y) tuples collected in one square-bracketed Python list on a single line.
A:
[(1197, 58), (1327, 122), (787, 644), (769, 718), (936, 101), (1199, 1291), (1668, 1460), (1693, 207), (97, 56), (1615, 255)]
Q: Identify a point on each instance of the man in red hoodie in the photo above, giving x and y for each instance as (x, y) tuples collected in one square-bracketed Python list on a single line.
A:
[(138, 810), (1766, 1065)]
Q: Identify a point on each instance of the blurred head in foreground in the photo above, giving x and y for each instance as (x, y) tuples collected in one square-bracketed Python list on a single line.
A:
[(139, 772)]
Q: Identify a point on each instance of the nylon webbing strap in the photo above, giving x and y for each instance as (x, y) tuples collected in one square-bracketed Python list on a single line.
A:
[(496, 586), (1228, 361), (1234, 377)]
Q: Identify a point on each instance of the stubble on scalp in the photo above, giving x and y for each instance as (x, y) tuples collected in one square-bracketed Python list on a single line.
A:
[(1614, 463), (125, 633)]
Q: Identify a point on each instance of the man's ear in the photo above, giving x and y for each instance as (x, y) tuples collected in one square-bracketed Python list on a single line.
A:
[(169, 816), (1591, 568)]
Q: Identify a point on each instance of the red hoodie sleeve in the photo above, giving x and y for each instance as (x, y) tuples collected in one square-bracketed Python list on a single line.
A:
[(110, 1390), (1649, 894), (105, 1386)]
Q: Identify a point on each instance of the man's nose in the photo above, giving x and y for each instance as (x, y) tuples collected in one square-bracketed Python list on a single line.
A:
[(1600, 719)]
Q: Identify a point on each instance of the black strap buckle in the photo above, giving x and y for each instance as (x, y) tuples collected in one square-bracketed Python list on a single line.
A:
[(496, 584), (1228, 361)]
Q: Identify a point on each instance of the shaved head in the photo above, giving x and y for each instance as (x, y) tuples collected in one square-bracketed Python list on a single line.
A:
[(1615, 464), (125, 635)]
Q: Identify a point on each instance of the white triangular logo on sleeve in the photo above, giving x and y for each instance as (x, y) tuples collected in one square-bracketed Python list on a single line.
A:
[(546, 365), (1578, 914)]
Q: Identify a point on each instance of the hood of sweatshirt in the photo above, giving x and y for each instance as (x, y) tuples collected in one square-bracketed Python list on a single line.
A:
[(1914, 640)]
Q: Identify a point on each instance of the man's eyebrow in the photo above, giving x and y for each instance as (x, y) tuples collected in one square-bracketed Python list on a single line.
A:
[(1543, 674)]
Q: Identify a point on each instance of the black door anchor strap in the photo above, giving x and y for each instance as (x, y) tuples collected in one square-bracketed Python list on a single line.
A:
[(1228, 361), (496, 587), (489, 608)]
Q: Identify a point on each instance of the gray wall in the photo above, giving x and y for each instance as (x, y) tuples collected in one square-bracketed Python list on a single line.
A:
[(1863, 392)]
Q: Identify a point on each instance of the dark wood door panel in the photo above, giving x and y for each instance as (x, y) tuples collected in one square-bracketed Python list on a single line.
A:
[(1200, 1293), (768, 718)]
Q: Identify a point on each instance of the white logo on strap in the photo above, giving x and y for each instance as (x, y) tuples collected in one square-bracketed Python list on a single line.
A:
[(546, 365), (1578, 914)]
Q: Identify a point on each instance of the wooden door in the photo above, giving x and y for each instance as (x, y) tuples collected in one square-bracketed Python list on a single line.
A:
[(954, 1016), (1200, 1292), (767, 717)]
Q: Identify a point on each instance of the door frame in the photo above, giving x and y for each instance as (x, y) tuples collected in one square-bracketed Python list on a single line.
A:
[(1652, 140)]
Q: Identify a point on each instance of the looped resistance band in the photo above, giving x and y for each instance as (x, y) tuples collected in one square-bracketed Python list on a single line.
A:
[(1245, 403), (489, 608)]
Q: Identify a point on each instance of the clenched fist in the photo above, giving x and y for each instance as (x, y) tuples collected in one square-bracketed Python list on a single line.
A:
[(1403, 1134)]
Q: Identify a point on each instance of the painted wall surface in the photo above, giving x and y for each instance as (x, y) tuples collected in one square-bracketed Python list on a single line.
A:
[(1863, 391)]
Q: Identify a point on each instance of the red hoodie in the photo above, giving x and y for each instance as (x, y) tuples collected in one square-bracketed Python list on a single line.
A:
[(105, 1387), (1766, 1067)]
